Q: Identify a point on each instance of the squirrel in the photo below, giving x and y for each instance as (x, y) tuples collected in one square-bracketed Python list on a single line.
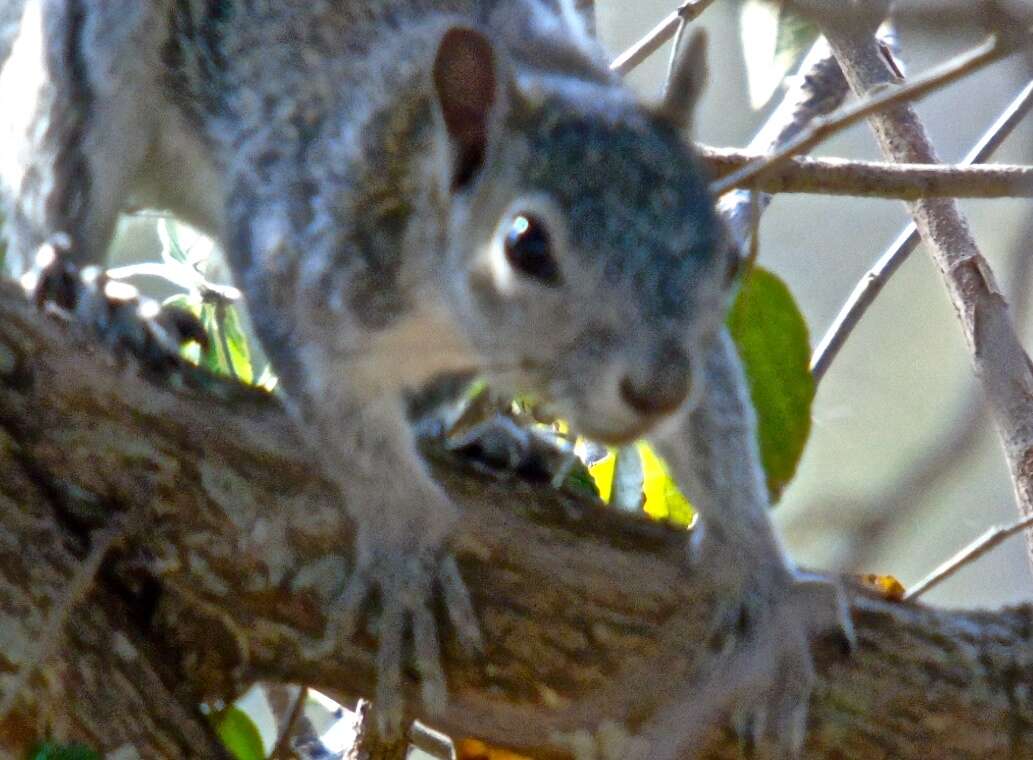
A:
[(406, 189)]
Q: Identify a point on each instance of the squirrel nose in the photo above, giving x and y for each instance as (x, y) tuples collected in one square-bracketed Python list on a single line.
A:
[(656, 397)]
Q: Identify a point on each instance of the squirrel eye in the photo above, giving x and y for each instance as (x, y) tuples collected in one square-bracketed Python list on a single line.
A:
[(529, 250)]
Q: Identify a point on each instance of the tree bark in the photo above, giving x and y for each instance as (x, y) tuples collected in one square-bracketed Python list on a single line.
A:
[(165, 542)]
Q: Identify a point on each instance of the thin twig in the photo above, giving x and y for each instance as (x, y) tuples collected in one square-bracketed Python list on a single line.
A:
[(431, 742), (898, 502), (657, 36), (878, 179), (872, 283), (885, 97), (818, 88), (990, 540)]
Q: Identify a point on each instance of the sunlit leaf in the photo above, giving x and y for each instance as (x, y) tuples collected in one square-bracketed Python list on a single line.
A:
[(772, 339), (235, 342), (602, 473), (212, 357), (664, 500), (240, 734)]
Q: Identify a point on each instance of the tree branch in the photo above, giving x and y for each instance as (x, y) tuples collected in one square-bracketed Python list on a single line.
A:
[(837, 176), (1000, 361), (658, 35), (586, 616), (875, 101), (869, 287)]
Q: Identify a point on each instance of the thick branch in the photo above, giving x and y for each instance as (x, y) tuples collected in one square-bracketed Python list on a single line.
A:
[(238, 545)]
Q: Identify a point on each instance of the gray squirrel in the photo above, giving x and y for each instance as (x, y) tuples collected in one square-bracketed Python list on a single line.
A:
[(409, 188)]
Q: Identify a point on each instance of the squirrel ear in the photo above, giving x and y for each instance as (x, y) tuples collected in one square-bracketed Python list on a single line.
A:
[(466, 83), (686, 78)]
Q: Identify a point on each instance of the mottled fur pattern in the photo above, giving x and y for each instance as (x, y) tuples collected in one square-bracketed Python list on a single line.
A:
[(362, 164)]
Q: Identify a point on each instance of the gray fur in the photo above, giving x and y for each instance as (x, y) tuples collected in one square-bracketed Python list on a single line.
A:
[(311, 139)]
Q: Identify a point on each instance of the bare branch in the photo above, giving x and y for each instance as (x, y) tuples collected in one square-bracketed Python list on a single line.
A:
[(658, 35), (869, 287), (990, 540), (874, 179), (874, 101), (999, 359), (817, 89)]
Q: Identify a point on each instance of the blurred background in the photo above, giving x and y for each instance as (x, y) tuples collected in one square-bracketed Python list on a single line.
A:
[(900, 429)]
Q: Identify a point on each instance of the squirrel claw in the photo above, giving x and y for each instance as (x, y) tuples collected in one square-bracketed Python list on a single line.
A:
[(460, 606), (406, 587), (774, 727), (771, 720)]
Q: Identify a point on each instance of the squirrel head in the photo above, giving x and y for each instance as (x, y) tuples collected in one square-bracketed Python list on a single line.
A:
[(584, 257)]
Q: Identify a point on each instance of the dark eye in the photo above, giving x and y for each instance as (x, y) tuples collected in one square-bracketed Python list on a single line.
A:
[(529, 250)]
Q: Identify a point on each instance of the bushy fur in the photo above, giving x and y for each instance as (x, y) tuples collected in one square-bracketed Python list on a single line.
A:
[(362, 163)]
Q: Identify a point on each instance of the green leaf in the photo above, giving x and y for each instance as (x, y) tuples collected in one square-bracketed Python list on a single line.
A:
[(239, 733), (580, 479), (773, 342), (212, 357), (664, 500), (227, 352), (235, 342), (48, 751)]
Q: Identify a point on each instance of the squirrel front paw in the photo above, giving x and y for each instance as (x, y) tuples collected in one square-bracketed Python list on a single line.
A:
[(775, 627), (408, 583), (112, 310)]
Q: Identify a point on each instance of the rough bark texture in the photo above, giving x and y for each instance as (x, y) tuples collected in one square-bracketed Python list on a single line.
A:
[(229, 546)]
